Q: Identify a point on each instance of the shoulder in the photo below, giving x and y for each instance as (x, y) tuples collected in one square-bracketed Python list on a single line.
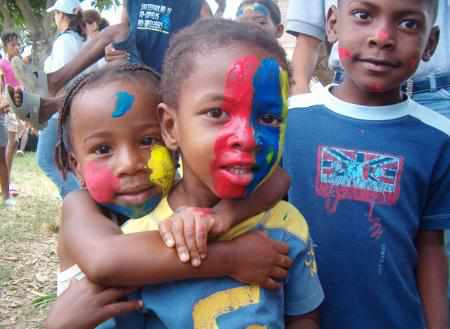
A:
[(429, 117), (303, 101), (285, 216), (149, 222)]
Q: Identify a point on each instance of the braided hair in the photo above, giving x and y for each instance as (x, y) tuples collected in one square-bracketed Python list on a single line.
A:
[(111, 73)]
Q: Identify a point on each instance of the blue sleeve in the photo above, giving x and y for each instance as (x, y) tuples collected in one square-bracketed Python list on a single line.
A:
[(437, 210), (303, 291)]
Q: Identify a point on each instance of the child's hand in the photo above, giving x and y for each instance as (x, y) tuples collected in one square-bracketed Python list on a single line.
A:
[(187, 230), (260, 260), (84, 305)]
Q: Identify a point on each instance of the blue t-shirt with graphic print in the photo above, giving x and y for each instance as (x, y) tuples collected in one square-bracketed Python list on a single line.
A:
[(368, 179), (152, 23)]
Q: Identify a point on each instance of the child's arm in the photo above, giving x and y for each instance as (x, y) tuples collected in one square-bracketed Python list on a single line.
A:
[(306, 321), (110, 258), (189, 234), (432, 276), (85, 305)]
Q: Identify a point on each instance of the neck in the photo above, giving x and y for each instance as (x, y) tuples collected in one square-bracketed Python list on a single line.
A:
[(190, 192), (63, 26), (351, 93)]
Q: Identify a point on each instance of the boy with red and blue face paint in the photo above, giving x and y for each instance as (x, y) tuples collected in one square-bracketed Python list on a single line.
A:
[(370, 170), (226, 116)]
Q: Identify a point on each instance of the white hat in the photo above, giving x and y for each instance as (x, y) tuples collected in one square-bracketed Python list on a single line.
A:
[(65, 6)]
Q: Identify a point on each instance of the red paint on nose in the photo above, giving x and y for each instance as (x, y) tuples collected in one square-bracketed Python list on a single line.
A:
[(382, 36), (344, 54), (100, 182)]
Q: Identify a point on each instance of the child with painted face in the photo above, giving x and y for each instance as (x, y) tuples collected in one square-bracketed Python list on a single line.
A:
[(224, 90), (109, 136), (370, 170), (264, 13)]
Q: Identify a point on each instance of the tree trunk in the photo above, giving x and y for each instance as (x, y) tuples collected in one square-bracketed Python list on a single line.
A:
[(41, 31)]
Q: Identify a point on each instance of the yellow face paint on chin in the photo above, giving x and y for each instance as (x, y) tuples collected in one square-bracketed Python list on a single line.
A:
[(162, 168)]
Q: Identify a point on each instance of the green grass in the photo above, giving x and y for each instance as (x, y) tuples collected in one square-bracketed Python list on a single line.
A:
[(28, 259)]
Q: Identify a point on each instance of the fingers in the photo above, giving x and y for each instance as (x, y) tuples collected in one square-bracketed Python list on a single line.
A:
[(166, 233), (201, 236), (189, 225), (178, 233), (110, 295), (281, 247), (279, 273), (270, 283), (115, 309)]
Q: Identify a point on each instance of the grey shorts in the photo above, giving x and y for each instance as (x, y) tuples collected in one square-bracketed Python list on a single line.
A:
[(3, 131)]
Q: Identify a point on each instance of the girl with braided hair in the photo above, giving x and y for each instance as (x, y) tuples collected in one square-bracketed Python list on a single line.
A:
[(109, 136)]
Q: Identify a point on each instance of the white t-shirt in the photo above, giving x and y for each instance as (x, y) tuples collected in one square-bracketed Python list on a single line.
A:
[(66, 46)]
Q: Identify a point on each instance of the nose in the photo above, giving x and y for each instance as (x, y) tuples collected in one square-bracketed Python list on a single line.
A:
[(130, 161), (242, 136), (383, 38)]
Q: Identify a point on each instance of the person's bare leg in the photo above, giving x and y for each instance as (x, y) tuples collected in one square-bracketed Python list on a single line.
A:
[(11, 148), (4, 176), (24, 139)]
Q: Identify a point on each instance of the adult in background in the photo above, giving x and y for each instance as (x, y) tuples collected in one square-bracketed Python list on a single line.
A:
[(142, 37), (430, 85), (67, 45)]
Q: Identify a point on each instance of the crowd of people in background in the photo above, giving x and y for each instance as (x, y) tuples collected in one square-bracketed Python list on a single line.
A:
[(181, 128)]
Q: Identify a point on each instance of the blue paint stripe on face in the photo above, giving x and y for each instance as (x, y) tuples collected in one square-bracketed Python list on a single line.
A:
[(267, 103), (124, 103)]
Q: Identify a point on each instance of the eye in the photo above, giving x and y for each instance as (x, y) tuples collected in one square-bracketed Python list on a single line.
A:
[(409, 24), (216, 113), (102, 149), (270, 120), (148, 140), (361, 15)]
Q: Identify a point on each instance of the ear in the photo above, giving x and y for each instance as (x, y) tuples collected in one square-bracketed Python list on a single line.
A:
[(432, 44), (168, 122), (279, 31), (75, 166), (332, 22)]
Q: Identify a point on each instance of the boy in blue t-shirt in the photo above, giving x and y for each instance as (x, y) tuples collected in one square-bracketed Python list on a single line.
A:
[(370, 171)]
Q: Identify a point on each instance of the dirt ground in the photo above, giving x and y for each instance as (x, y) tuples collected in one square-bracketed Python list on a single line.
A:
[(28, 259)]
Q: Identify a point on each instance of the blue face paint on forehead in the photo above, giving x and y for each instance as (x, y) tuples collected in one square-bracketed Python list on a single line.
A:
[(124, 103), (267, 118), (255, 7)]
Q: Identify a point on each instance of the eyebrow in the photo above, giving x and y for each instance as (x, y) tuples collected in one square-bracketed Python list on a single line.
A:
[(402, 12)]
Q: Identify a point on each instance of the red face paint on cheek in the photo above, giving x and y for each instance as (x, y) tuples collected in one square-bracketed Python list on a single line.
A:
[(344, 54), (235, 142), (413, 62), (100, 182)]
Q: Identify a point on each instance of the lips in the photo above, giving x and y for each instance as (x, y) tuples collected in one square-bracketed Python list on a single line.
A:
[(378, 65), (136, 195), (238, 173)]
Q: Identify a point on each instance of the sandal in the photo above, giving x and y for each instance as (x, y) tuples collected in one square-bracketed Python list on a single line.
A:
[(13, 191), (29, 110)]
